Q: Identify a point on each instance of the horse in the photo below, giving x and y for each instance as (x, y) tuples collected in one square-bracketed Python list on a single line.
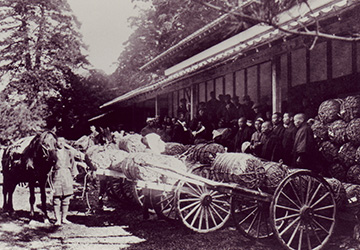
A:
[(28, 160)]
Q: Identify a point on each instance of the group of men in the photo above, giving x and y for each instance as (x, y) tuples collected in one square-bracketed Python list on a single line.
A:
[(285, 138), (280, 137)]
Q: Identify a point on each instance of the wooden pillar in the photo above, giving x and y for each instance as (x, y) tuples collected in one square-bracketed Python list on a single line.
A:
[(157, 108), (276, 86), (192, 101)]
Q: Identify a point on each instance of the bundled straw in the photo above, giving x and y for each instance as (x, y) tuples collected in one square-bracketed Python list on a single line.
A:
[(329, 110), (204, 152), (350, 108), (338, 190), (274, 174), (102, 157), (347, 154), (174, 148), (353, 131), (244, 169), (337, 132), (353, 174), (131, 143), (151, 167)]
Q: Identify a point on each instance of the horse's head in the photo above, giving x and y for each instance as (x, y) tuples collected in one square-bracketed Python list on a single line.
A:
[(47, 145)]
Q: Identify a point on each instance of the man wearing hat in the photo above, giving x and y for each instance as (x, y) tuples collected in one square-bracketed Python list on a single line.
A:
[(256, 108), (149, 128), (246, 107), (237, 106), (212, 107)]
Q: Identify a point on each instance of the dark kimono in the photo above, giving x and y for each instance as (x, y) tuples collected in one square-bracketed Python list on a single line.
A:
[(271, 149), (242, 136), (288, 143), (304, 150)]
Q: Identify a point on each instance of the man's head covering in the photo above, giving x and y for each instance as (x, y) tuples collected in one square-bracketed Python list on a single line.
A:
[(245, 146), (260, 119), (256, 105), (246, 98), (150, 119)]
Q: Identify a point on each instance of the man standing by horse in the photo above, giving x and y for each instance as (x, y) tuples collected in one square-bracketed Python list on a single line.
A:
[(62, 181)]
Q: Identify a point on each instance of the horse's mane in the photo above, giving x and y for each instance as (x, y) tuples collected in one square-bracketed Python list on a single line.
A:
[(44, 139)]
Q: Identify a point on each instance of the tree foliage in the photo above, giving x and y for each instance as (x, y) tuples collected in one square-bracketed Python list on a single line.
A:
[(155, 30), (75, 105), (40, 44), (267, 12), (39, 34), (169, 21)]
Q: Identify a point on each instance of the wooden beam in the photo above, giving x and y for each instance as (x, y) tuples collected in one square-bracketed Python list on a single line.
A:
[(329, 60)]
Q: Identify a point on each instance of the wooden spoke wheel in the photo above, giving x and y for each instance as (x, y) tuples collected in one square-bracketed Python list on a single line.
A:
[(121, 189), (203, 171), (201, 209), (140, 194), (163, 203), (251, 217), (303, 211)]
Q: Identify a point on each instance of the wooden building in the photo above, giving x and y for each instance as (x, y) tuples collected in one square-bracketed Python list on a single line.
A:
[(258, 61)]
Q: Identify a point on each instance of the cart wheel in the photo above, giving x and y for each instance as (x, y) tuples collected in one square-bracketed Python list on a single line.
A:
[(163, 203), (201, 209), (92, 194), (203, 171), (303, 211), (139, 194), (122, 190), (252, 217)]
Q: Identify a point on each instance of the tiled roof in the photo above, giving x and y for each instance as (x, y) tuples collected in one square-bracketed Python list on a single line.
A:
[(247, 40)]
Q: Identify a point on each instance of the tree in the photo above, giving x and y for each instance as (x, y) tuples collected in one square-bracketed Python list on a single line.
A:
[(17, 119), (40, 44), (266, 12), (169, 21), (156, 29), (39, 34), (71, 109)]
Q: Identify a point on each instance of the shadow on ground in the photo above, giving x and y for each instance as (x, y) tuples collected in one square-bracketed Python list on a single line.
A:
[(121, 225)]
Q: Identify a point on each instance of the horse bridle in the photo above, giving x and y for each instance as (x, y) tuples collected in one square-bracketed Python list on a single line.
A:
[(45, 151)]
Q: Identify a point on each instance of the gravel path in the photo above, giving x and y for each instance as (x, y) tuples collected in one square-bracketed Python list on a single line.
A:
[(122, 227)]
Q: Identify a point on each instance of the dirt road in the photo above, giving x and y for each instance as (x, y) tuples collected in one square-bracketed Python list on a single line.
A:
[(120, 227)]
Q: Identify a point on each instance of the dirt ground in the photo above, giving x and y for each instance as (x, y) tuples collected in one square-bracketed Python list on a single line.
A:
[(121, 226)]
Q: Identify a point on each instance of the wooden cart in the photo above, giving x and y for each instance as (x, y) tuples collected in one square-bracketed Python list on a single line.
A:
[(300, 213)]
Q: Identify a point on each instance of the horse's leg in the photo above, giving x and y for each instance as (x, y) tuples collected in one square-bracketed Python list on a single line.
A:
[(5, 193), (32, 198), (10, 191), (43, 200)]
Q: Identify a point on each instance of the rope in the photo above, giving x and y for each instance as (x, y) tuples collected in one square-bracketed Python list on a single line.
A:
[(51, 184), (85, 182), (84, 193)]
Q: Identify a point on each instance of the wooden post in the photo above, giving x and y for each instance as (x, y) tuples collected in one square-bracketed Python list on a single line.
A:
[(157, 110), (276, 86), (192, 102)]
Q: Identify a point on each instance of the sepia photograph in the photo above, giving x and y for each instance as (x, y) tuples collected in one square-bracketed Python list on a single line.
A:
[(180, 124)]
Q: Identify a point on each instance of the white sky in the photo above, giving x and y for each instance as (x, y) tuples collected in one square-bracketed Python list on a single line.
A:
[(105, 28)]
